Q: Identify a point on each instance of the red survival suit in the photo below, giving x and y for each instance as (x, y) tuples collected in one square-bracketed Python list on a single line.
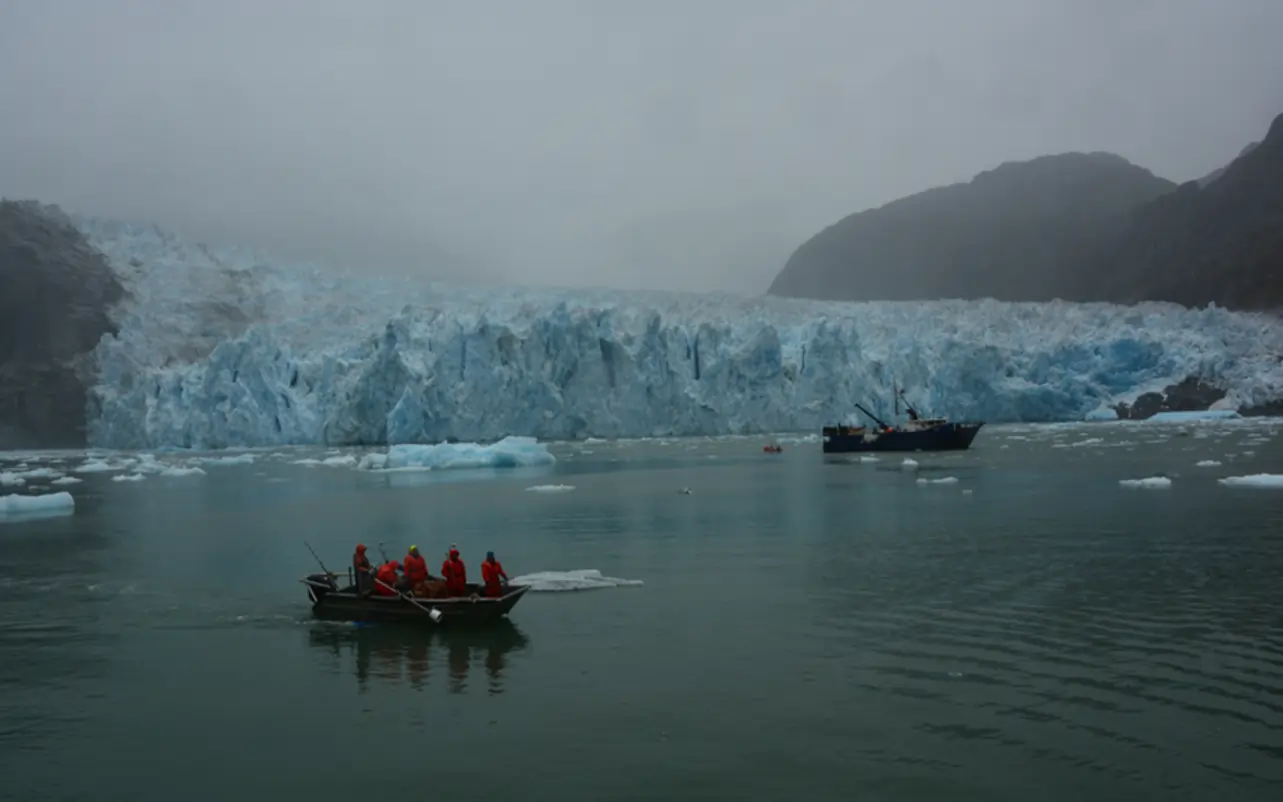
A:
[(387, 577), (416, 569), (491, 570), (363, 570), (455, 574)]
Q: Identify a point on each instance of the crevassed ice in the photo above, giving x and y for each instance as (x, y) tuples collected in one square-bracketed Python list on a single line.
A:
[(222, 348)]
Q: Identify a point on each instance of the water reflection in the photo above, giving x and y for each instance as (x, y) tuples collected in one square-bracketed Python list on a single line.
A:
[(398, 654), (55, 633)]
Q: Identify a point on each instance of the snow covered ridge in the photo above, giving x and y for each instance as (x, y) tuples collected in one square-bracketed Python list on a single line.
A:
[(220, 348)]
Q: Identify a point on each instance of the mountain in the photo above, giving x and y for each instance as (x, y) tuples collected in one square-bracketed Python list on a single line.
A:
[(55, 296), (1085, 227), (1220, 171), (1012, 233), (1221, 242)]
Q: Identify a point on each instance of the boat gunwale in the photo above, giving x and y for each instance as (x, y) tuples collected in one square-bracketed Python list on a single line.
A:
[(513, 593)]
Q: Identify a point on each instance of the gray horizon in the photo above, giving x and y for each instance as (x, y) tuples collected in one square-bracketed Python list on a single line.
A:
[(676, 147)]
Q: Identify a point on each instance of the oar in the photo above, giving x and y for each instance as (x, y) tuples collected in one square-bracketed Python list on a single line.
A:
[(410, 599), (327, 571)]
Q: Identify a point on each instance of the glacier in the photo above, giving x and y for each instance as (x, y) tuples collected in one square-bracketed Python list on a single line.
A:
[(220, 347)]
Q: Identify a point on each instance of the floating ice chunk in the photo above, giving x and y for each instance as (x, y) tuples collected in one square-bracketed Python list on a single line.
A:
[(373, 462), (909, 464), (39, 473), (11, 479), (1090, 441), (584, 579), (98, 466), (944, 480), (180, 470), (14, 507), (1101, 413), (868, 458), (1266, 480), (550, 488), (1207, 463), (1150, 483), (338, 461), (239, 459), (128, 477), (799, 439), (66, 480), (147, 463), (1197, 415), (510, 452)]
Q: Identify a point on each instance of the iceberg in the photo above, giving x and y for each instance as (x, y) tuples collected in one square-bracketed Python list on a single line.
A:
[(510, 452), (1257, 480), (1194, 416), (16, 507), (222, 348), (580, 579), (1151, 483)]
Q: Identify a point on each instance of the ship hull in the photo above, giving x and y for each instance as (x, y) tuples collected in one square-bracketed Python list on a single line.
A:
[(942, 437)]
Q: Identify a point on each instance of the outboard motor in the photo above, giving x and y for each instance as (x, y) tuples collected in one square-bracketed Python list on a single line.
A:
[(318, 585)]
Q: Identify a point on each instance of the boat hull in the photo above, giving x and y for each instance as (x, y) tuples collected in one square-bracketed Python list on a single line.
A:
[(329, 602), (944, 437)]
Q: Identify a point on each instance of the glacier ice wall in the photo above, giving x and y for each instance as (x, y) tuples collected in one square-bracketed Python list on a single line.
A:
[(222, 348)]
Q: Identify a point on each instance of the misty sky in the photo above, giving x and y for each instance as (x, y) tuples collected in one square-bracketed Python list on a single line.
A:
[(669, 145)]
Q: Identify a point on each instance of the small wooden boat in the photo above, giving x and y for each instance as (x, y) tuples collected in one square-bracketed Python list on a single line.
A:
[(333, 603)]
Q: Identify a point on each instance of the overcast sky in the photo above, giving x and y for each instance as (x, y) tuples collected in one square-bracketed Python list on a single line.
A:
[(668, 145)]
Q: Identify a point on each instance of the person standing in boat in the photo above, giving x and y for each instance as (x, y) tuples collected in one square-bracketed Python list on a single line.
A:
[(455, 573), (415, 567), (491, 570), (362, 570)]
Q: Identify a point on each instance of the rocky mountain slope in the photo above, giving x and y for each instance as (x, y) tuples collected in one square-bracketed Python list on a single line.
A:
[(55, 295), (1221, 242), (1088, 227)]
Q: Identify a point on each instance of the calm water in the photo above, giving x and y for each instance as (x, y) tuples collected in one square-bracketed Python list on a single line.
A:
[(806, 629)]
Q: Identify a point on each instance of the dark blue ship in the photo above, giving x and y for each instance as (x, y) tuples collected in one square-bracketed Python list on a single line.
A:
[(917, 434)]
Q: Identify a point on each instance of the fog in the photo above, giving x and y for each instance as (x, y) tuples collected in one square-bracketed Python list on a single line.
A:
[(664, 145)]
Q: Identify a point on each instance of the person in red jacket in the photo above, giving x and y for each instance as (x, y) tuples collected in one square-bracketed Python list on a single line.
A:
[(386, 585), (455, 574), (491, 570), (416, 568), (364, 571)]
